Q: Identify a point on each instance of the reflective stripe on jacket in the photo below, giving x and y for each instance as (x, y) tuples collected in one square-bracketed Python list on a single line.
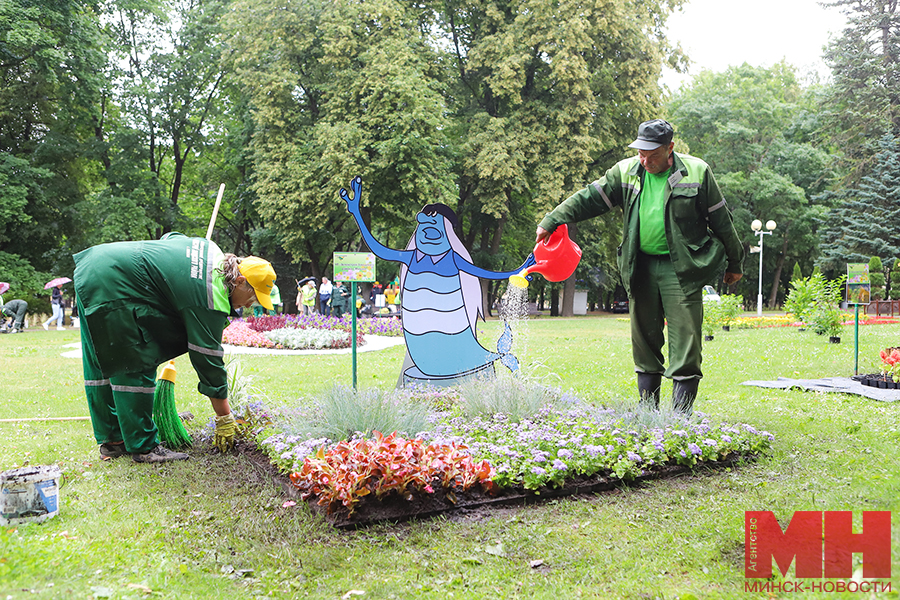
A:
[(699, 228), (148, 302)]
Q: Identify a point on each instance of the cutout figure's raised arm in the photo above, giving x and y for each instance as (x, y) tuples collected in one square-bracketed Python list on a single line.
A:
[(467, 267), (353, 207)]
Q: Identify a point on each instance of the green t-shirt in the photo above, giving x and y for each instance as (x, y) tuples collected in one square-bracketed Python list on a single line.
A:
[(653, 214)]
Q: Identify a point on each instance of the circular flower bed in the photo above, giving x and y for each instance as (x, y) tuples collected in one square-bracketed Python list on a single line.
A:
[(304, 332)]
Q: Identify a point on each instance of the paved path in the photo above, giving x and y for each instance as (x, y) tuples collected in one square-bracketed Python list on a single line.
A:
[(373, 342)]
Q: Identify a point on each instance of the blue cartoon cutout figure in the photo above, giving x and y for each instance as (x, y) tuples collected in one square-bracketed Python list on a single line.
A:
[(441, 299)]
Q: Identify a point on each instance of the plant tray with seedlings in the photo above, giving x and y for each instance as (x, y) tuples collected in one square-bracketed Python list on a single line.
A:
[(877, 380), (889, 378), (497, 455)]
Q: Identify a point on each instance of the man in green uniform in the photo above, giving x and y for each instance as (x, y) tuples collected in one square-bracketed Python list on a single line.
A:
[(678, 233), (144, 303)]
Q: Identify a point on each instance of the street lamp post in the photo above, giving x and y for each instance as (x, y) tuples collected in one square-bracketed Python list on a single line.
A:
[(756, 226)]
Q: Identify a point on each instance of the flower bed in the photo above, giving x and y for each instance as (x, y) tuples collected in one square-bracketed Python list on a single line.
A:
[(788, 320), (564, 448), (304, 332)]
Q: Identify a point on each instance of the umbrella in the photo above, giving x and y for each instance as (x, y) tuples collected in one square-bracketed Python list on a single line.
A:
[(56, 282), (3, 287)]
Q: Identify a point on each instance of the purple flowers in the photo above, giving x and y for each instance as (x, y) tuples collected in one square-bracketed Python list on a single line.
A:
[(565, 453), (694, 448)]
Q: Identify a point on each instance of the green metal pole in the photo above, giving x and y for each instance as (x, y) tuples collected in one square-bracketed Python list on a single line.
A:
[(353, 327), (856, 344)]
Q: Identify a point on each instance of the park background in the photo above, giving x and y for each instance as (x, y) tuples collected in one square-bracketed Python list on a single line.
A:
[(120, 120)]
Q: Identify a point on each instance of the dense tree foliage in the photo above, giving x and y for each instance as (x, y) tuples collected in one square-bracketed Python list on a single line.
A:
[(864, 101), (865, 220), (119, 120)]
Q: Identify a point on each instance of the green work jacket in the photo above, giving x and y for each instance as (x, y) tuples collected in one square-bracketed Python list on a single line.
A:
[(699, 228), (147, 302)]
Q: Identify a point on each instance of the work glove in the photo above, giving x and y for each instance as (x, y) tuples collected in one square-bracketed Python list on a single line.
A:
[(226, 428)]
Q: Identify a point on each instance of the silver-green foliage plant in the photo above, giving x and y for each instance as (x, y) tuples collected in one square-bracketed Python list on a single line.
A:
[(514, 398), (342, 413), (240, 385)]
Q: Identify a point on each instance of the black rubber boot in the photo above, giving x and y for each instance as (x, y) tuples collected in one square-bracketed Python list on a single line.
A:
[(684, 393), (648, 388)]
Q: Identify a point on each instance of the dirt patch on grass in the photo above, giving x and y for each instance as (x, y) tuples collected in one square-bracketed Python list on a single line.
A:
[(472, 503)]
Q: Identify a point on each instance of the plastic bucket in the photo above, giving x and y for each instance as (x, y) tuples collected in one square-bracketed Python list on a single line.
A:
[(29, 494)]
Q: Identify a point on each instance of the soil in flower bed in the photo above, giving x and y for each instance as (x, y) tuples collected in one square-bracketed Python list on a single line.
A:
[(877, 380), (423, 505)]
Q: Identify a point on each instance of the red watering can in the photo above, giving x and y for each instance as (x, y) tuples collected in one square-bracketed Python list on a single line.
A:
[(556, 258)]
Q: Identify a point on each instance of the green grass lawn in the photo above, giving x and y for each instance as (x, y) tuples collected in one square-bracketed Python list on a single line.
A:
[(215, 526)]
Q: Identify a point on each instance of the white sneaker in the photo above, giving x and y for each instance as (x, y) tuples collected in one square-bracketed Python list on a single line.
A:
[(46, 327), (60, 328)]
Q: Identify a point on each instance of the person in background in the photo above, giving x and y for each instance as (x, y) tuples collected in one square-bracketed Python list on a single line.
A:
[(677, 235), (144, 303), (340, 299), (276, 300), (58, 307), (306, 298), (325, 297), (15, 309)]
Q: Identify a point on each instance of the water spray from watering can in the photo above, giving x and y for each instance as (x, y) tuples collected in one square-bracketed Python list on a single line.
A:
[(555, 258)]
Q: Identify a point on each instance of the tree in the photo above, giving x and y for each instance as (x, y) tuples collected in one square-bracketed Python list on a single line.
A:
[(168, 94), (51, 60), (499, 110), (894, 279), (864, 223), (864, 100), (876, 278)]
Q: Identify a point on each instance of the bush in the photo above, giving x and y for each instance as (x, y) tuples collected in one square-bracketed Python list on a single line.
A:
[(802, 296), (730, 309), (712, 317)]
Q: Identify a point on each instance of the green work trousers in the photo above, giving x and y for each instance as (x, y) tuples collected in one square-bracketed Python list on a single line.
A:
[(657, 300), (121, 407)]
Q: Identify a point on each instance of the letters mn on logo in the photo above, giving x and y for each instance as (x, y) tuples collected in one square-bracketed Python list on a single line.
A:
[(822, 543)]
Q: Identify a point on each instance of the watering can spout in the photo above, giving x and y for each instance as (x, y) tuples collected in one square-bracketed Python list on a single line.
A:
[(555, 258)]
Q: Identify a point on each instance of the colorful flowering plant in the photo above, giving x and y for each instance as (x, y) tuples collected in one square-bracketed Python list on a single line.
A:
[(347, 472), (379, 326), (559, 444), (238, 333), (890, 364)]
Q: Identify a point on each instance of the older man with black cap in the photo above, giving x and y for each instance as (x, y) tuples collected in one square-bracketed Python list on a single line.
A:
[(678, 234)]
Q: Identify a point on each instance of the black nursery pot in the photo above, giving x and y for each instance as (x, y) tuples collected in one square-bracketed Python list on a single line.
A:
[(708, 338), (726, 327), (834, 339)]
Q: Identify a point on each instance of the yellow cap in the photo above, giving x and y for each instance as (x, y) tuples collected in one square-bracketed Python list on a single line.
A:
[(168, 372), (261, 276)]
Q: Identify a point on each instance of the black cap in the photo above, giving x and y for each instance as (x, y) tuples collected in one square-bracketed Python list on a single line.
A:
[(653, 134)]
